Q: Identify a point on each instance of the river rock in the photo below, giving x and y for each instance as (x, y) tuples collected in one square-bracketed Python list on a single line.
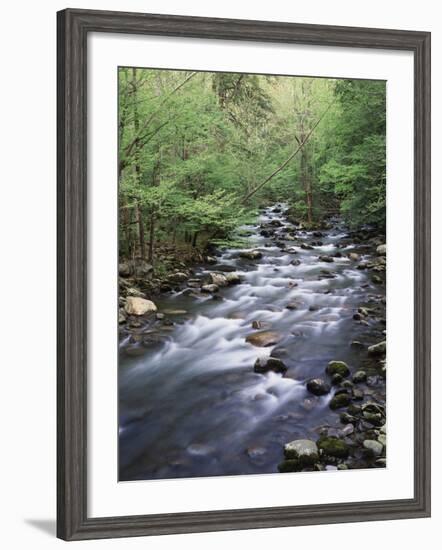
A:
[(340, 400), (211, 260), (291, 465), (317, 386), (124, 269), (354, 409), (308, 404), (233, 278), (259, 325), (304, 450), (121, 315), (338, 367), (293, 305), (333, 446), (381, 250), (373, 413), (306, 246), (373, 408), (378, 349), (137, 267), (139, 306), (296, 261), (327, 259), (373, 447), (358, 395), (133, 291), (192, 284), (266, 364), (210, 289), (251, 254), (218, 279), (226, 268), (353, 256), (347, 418), (264, 338), (359, 377), (347, 430), (178, 277), (336, 379)]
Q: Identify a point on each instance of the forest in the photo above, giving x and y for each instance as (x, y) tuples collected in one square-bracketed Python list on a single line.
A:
[(200, 152)]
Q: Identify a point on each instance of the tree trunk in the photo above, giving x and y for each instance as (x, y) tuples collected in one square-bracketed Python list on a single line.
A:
[(195, 237), (306, 183), (141, 239), (137, 168), (152, 239)]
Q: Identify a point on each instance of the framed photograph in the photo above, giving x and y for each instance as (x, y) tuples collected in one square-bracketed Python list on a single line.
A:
[(243, 274)]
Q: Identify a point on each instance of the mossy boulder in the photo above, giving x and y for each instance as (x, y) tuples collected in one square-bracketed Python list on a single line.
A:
[(337, 367), (378, 349), (340, 400), (317, 386), (359, 377), (304, 451), (333, 446), (374, 413), (251, 254), (291, 465)]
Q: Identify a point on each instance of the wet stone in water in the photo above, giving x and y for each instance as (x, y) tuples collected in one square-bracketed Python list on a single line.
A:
[(317, 386), (266, 364)]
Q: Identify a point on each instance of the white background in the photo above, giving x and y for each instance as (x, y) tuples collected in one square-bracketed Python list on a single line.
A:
[(28, 268), (108, 498)]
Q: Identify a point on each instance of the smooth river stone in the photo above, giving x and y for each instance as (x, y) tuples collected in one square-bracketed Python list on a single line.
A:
[(139, 306), (264, 338)]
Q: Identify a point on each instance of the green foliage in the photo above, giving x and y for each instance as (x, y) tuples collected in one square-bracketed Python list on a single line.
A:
[(193, 145), (357, 170)]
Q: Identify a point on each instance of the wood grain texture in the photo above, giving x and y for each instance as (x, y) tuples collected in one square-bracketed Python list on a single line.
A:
[(72, 520)]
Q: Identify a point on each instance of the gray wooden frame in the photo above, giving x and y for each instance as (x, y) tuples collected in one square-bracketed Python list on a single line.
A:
[(73, 28)]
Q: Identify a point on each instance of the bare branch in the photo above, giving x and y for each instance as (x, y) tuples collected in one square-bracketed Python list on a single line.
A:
[(284, 164)]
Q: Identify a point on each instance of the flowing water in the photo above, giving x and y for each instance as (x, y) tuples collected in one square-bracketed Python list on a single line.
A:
[(192, 405)]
